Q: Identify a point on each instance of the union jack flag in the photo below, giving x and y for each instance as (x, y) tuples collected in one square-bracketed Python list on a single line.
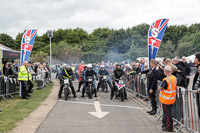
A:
[(155, 35), (27, 42)]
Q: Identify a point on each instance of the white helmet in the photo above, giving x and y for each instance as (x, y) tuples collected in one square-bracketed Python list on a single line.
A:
[(67, 66), (89, 66), (102, 66)]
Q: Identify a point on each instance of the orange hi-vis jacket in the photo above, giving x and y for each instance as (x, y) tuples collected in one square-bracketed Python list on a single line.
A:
[(80, 69), (168, 96)]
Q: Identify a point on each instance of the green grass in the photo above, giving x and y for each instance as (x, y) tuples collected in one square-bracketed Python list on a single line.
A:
[(15, 110)]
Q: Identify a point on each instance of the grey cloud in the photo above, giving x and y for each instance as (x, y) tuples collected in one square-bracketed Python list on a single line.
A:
[(17, 15)]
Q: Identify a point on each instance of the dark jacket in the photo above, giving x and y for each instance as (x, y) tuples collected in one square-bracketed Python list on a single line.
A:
[(117, 73), (181, 66), (195, 77), (138, 70), (63, 73), (5, 71), (188, 70), (103, 72), (90, 73), (11, 71), (153, 80)]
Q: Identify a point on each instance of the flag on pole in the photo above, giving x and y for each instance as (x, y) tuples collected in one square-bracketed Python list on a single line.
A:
[(27, 42), (155, 35)]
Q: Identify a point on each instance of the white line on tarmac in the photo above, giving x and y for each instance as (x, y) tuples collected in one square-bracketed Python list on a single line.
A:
[(106, 105)]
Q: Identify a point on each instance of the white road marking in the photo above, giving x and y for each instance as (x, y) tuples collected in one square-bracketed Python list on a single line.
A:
[(99, 114), (105, 105)]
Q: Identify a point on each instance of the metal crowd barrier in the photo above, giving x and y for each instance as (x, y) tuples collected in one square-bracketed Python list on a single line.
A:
[(10, 85), (186, 112), (42, 79)]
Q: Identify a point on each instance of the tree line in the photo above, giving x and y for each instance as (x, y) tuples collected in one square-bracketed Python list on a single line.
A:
[(73, 45)]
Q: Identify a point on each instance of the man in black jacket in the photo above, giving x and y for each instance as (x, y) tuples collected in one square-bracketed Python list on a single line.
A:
[(197, 64), (117, 74), (188, 70), (152, 85)]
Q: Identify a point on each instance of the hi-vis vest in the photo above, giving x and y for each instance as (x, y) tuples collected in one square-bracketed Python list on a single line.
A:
[(169, 96), (73, 69), (68, 76), (23, 74)]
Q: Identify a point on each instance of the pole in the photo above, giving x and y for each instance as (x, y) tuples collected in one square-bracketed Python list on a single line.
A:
[(50, 52)]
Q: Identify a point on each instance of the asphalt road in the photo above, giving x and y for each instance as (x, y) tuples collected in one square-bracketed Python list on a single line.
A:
[(73, 117)]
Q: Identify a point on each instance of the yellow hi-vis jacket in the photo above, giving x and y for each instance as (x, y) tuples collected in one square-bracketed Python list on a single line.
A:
[(23, 74), (168, 96)]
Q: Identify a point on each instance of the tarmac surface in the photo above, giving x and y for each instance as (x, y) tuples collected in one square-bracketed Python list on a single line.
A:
[(99, 115)]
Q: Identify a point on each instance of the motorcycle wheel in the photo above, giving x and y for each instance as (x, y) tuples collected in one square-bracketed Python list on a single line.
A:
[(66, 92), (122, 94), (90, 92), (106, 87)]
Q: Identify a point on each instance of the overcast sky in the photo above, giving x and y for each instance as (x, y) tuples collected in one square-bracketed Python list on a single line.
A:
[(18, 15)]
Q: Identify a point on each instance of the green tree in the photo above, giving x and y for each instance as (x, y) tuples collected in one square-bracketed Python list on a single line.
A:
[(7, 41)]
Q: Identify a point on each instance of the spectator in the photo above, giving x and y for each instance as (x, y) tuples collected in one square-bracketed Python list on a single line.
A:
[(40, 72), (14, 66), (167, 97), (5, 69), (142, 61), (188, 70), (127, 69), (138, 69), (181, 72), (191, 64), (196, 81), (152, 85), (11, 70)]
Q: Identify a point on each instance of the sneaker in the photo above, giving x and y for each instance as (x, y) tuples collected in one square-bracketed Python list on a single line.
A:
[(111, 98), (82, 96)]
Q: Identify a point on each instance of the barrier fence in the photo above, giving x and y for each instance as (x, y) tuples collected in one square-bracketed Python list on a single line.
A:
[(10, 85), (186, 113)]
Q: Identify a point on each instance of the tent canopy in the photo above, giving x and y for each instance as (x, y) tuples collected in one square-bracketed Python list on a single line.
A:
[(190, 58), (8, 53)]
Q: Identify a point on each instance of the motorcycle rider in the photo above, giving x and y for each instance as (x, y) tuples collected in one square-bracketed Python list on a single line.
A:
[(66, 73), (82, 78), (90, 72), (103, 72), (117, 74)]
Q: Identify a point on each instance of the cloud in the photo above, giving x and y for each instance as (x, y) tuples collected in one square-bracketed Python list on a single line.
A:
[(16, 16)]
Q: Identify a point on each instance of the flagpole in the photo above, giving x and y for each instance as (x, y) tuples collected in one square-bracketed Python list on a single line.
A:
[(50, 51)]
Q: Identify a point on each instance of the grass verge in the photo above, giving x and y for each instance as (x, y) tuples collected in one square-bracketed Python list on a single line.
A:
[(15, 110)]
